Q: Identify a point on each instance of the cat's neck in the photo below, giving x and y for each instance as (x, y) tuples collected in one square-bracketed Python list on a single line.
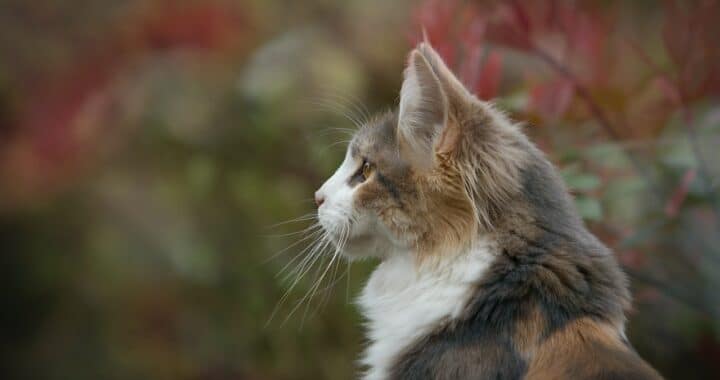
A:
[(405, 300)]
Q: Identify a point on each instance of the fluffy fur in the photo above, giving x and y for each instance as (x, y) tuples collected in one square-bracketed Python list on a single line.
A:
[(403, 302), (487, 271)]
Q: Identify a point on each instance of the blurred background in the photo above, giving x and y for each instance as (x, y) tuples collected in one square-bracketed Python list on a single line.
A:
[(149, 149)]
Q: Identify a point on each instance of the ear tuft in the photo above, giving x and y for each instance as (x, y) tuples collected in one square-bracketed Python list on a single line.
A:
[(423, 110), (454, 89)]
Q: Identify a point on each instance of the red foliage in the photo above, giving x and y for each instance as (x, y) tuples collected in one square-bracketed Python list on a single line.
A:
[(47, 141), (199, 25), (551, 99), (678, 197), (464, 32), (488, 83), (691, 39), (574, 39), (435, 18)]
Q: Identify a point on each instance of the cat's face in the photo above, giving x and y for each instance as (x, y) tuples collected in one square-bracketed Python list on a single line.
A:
[(365, 202), (406, 180)]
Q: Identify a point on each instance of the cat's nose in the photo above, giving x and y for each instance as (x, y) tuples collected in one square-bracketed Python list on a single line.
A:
[(319, 198)]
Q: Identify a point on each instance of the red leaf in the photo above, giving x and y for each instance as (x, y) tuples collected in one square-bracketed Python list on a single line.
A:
[(488, 85), (204, 25), (520, 16), (632, 258), (474, 25), (550, 100), (690, 36), (676, 200), (470, 68), (670, 90), (503, 29), (676, 32)]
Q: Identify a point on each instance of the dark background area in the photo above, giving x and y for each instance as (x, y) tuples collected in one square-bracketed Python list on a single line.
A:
[(149, 149)]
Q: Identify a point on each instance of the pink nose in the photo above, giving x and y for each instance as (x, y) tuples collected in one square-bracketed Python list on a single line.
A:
[(319, 199)]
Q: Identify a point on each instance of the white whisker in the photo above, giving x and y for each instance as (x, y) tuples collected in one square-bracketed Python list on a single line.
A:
[(302, 218), (318, 244), (344, 234), (313, 235), (309, 236)]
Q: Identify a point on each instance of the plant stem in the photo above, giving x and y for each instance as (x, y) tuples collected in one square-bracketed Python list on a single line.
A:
[(673, 293), (599, 114), (702, 164)]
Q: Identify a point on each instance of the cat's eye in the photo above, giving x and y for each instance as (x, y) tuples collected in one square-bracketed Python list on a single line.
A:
[(366, 170)]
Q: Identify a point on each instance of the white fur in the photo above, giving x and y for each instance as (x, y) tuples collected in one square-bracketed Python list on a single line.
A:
[(337, 209), (403, 301)]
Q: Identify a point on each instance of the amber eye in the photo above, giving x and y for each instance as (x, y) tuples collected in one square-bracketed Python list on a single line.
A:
[(366, 170)]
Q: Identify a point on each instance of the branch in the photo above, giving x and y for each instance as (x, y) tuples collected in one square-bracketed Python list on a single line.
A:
[(702, 163), (582, 91), (598, 113), (679, 98), (673, 293)]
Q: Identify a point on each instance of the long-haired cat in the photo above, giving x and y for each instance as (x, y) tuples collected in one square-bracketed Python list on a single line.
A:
[(486, 271)]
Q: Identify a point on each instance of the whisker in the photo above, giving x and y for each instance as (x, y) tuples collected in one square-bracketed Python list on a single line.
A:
[(304, 230), (347, 284), (338, 143), (321, 242), (310, 235), (325, 292), (327, 131), (313, 291), (309, 294), (358, 106), (312, 251), (347, 101), (339, 109), (302, 218), (314, 235)]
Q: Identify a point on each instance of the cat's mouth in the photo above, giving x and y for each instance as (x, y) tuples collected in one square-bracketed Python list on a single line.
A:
[(340, 237), (357, 242), (351, 235)]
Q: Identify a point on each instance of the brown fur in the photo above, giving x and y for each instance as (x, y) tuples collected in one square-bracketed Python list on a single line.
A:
[(587, 349)]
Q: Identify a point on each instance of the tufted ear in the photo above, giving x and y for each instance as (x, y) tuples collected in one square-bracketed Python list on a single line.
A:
[(429, 93), (422, 112), (454, 89)]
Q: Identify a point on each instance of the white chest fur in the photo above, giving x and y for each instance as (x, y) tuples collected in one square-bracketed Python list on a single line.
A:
[(403, 302)]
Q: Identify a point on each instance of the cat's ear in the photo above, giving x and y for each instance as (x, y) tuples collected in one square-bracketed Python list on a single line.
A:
[(454, 89), (422, 113)]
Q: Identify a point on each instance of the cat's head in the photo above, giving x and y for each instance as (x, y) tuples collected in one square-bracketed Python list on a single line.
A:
[(427, 177)]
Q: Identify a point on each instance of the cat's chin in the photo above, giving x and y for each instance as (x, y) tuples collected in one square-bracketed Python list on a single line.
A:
[(364, 246)]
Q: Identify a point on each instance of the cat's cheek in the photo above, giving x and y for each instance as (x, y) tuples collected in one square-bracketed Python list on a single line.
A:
[(368, 198), (373, 201)]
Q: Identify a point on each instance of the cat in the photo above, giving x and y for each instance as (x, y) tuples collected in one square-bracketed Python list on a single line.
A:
[(487, 271)]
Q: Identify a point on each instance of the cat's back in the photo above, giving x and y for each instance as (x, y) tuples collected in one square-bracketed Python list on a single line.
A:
[(511, 332), (580, 352)]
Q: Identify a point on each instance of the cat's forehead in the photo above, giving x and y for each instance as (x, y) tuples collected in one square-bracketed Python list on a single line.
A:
[(376, 136)]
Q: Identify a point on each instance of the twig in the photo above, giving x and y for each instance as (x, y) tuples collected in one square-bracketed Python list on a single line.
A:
[(689, 129), (673, 293), (598, 113), (700, 157)]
